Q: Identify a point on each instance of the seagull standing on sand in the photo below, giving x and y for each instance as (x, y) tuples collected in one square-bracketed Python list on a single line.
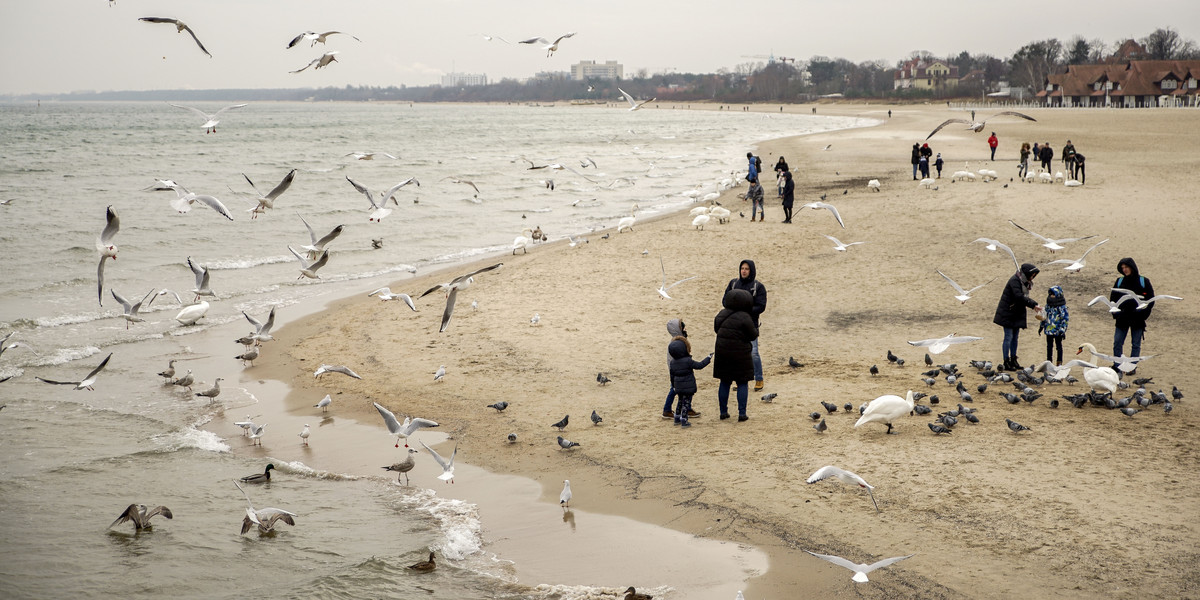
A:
[(447, 465), (180, 27), (304, 434), (324, 403), (440, 373), (106, 247), (210, 121), (845, 477), (212, 392), (409, 427), (549, 47), (860, 570)]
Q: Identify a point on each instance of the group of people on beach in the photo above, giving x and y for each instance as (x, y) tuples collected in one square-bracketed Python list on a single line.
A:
[(1054, 317), (735, 356), (1073, 161), (922, 157), (785, 186)]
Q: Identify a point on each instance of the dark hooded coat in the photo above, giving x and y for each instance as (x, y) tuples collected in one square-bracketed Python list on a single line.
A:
[(1010, 311), (683, 367), (735, 331), (1130, 316), (757, 290)]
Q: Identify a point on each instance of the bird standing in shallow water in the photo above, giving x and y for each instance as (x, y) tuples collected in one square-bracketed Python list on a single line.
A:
[(403, 467)]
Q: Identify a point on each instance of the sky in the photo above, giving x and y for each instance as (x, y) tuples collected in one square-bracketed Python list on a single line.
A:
[(57, 46)]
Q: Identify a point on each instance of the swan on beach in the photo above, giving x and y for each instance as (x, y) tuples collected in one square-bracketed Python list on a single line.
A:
[(192, 313), (963, 295), (886, 409), (627, 222), (873, 185), (700, 221)]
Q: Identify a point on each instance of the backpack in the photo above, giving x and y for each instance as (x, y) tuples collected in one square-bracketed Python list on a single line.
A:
[(758, 164)]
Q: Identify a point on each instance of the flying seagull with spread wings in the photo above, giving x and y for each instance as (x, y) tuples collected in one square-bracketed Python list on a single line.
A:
[(180, 27), (549, 47), (977, 126)]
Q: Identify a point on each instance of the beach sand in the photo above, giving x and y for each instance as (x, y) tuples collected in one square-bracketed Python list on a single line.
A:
[(1089, 503)]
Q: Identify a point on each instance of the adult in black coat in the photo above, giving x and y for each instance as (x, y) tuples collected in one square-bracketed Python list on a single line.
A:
[(736, 332), (789, 196), (1130, 317), (1046, 154), (1010, 311), (916, 158)]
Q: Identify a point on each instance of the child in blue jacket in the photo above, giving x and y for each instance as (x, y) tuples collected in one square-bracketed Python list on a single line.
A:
[(1055, 323)]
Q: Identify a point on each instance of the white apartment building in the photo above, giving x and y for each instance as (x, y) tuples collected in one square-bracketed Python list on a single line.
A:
[(590, 69), (463, 79)]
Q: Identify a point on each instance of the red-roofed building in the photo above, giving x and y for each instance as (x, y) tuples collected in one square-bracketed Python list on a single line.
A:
[(925, 75), (1137, 83)]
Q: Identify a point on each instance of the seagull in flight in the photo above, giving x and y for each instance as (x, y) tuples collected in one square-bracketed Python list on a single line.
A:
[(309, 269), (993, 245), (845, 477), (368, 155), (1142, 303), (830, 207), (106, 247), (494, 37), (210, 121), (939, 345), (315, 37), (323, 369), (463, 181), (1051, 244), (977, 126), (318, 244), (321, 61), (662, 290), (860, 571), (1076, 265), (201, 274), (549, 47), (264, 518), (184, 199), (838, 245), (963, 295), (380, 209), (452, 288), (447, 465), (262, 331), (402, 430), (86, 382), (386, 294), (180, 27), (131, 310), (268, 201), (633, 104)]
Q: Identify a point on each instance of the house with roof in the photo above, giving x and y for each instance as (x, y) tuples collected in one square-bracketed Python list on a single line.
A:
[(925, 74), (1132, 84)]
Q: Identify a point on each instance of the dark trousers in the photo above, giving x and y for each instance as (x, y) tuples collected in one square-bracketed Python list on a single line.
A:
[(787, 212), (1053, 342), (1080, 173), (683, 407), (670, 399)]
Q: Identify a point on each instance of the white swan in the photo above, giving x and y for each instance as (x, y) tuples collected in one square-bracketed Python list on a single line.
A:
[(873, 185), (1074, 266), (886, 409), (721, 213), (927, 183), (700, 221), (190, 314), (521, 242), (627, 222), (1124, 363)]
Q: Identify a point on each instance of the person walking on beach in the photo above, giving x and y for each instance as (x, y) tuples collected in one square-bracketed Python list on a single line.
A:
[(1054, 323), (755, 196), (1068, 157), (1080, 172), (1023, 166), (780, 168), (752, 172), (916, 159), (1037, 152), (1131, 319), (746, 280), (732, 362), (993, 142), (683, 377), (1010, 312), (1047, 155), (789, 196), (939, 163), (677, 329)]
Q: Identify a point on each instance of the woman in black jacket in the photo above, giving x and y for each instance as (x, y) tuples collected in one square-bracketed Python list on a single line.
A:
[(731, 357), (789, 196), (916, 158), (1010, 311)]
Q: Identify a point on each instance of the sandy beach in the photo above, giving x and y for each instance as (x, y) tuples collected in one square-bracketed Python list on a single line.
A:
[(1089, 503)]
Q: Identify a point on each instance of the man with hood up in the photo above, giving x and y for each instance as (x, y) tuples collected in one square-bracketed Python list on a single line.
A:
[(1010, 311), (746, 281), (1130, 317)]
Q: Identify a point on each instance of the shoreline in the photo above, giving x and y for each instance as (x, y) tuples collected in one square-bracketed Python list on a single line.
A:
[(692, 500)]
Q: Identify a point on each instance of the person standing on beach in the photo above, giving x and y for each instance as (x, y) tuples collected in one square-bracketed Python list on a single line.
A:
[(683, 377), (1047, 155), (746, 280), (752, 172), (1037, 152), (789, 196), (732, 361), (780, 168), (1023, 166), (1054, 325), (939, 164), (677, 329), (993, 142), (1010, 311), (1131, 318), (755, 196), (916, 158), (923, 162), (1080, 174), (1068, 157)]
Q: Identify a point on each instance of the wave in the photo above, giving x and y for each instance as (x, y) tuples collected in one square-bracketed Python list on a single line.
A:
[(303, 470), (190, 438), (246, 263), (63, 355), (458, 520)]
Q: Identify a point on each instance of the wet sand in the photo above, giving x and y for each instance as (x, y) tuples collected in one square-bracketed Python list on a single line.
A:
[(1089, 503)]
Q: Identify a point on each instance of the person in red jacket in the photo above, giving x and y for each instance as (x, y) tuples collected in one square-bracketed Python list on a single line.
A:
[(992, 143)]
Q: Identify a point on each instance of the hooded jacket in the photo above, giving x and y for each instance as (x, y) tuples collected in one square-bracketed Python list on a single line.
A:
[(1010, 311), (1130, 315), (757, 290), (735, 331), (1057, 316), (683, 368)]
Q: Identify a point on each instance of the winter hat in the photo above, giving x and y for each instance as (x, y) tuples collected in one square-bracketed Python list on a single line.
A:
[(1029, 270)]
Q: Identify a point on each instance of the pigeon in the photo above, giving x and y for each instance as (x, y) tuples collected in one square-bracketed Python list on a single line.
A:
[(793, 363), (821, 427), (1168, 407), (512, 438), (934, 427), (829, 406), (601, 379), (565, 443), (596, 418), (1129, 412), (769, 397), (1015, 426), (814, 416), (891, 357), (1176, 394), (848, 407), (974, 420), (874, 369), (899, 362), (921, 409), (928, 360), (499, 406), (561, 425)]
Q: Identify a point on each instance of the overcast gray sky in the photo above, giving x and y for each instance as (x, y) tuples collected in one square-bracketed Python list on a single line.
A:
[(74, 45)]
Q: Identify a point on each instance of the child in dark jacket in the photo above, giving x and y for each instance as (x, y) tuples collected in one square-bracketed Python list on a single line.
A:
[(676, 328), (683, 376), (1054, 325)]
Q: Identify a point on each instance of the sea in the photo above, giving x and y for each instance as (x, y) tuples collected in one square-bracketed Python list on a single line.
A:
[(71, 460)]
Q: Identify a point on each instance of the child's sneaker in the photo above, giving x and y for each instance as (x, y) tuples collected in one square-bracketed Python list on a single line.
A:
[(685, 423), (678, 420)]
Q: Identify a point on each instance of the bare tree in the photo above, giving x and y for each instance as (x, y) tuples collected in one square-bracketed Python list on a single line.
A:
[(1034, 61)]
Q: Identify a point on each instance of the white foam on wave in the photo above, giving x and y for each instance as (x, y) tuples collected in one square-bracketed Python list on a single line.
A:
[(468, 253), (246, 263), (63, 355), (303, 470), (190, 437), (60, 320), (459, 522), (583, 592)]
